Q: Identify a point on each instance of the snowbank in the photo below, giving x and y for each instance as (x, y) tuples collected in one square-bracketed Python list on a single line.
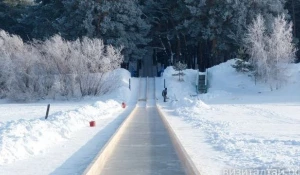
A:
[(237, 125), (25, 137)]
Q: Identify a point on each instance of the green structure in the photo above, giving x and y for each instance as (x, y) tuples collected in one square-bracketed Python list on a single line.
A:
[(202, 82)]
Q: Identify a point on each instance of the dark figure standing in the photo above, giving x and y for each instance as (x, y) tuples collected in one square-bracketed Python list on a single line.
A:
[(164, 94)]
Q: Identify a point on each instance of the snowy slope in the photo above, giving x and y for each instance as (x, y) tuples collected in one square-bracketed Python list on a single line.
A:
[(237, 125)]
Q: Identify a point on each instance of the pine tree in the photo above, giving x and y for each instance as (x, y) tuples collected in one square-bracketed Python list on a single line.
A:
[(120, 23)]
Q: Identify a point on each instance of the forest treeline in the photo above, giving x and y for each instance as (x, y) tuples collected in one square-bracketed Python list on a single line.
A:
[(203, 32)]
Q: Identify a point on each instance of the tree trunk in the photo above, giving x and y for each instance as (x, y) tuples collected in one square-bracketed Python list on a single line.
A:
[(294, 18)]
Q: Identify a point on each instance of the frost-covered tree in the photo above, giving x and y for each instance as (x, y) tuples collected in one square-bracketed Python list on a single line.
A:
[(97, 60), (83, 62), (55, 67), (281, 49), (270, 52), (20, 68), (180, 67), (256, 46)]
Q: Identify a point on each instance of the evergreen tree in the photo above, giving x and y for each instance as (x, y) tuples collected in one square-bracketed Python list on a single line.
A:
[(120, 23), (293, 6), (169, 41), (203, 32), (220, 25), (180, 67), (40, 19)]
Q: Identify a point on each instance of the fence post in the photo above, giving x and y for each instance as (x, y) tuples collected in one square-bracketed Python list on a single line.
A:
[(48, 108), (129, 84)]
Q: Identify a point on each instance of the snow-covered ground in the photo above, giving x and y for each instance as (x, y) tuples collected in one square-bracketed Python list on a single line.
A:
[(64, 143), (236, 125)]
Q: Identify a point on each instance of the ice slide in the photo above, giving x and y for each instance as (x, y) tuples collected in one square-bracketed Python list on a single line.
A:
[(144, 144)]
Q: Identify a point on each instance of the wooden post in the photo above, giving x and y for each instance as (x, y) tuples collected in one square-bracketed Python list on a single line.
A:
[(48, 108), (129, 84)]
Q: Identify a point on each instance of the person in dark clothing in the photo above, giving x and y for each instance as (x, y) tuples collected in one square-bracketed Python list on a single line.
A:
[(164, 94)]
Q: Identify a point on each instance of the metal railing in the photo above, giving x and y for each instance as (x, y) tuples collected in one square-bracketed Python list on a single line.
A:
[(203, 90)]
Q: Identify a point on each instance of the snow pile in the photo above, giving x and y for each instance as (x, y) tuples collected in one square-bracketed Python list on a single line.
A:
[(237, 124), (22, 138), (225, 82), (174, 85)]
